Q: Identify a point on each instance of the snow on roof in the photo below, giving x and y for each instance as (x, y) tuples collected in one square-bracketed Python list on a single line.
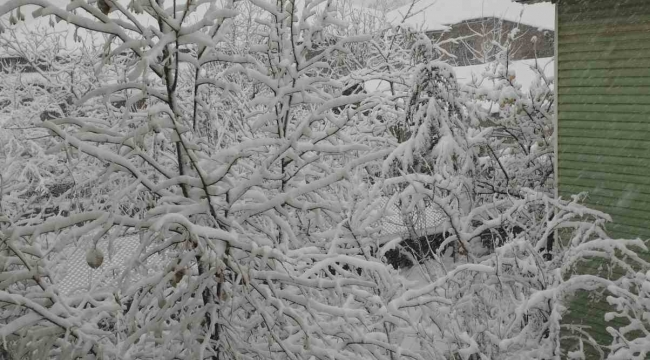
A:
[(439, 14), (393, 226), (524, 75), (522, 69), (76, 276)]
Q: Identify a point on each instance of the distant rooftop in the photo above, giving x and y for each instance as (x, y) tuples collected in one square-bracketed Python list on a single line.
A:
[(439, 14)]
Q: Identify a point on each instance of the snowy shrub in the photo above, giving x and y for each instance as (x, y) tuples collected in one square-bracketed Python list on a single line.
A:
[(228, 163), (483, 156), (221, 133), (631, 302)]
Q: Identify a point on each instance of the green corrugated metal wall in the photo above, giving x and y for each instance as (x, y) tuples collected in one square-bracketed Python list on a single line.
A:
[(604, 120)]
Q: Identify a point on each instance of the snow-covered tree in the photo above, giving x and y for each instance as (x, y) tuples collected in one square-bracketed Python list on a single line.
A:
[(229, 173), (224, 134)]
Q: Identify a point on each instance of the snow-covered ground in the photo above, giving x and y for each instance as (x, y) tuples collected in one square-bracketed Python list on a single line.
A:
[(524, 75)]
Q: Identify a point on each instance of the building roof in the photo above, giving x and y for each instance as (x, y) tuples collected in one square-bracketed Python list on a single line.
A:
[(440, 14)]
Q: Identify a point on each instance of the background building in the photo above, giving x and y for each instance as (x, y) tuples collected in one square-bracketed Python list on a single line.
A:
[(470, 33)]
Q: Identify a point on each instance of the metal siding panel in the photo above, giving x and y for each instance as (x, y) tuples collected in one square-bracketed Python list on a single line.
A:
[(612, 74), (627, 64), (597, 118), (595, 184), (634, 91), (604, 39), (606, 54), (603, 124), (623, 45), (606, 99), (586, 172), (608, 108), (620, 170), (642, 162), (594, 149), (603, 70), (566, 81), (643, 200), (605, 144), (606, 28), (614, 133)]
